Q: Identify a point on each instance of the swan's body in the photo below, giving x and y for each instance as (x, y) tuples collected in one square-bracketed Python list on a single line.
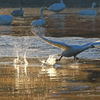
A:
[(89, 12), (18, 13), (6, 19), (41, 21), (57, 7), (70, 50)]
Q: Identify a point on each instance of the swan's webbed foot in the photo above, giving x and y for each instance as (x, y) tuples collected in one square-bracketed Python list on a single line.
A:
[(92, 46), (76, 58), (59, 58)]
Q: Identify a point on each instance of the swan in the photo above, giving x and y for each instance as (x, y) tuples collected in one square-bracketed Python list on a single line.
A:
[(69, 50), (18, 13), (57, 7), (6, 19), (41, 21), (89, 12)]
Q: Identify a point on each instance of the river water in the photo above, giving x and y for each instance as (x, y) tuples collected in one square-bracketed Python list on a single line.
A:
[(66, 80)]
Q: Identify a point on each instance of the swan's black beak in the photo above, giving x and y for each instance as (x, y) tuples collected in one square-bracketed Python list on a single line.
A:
[(92, 46)]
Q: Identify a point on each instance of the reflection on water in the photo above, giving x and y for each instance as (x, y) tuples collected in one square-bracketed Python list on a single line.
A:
[(22, 81), (58, 20), (5, 29), (26, 82), (50, 71)]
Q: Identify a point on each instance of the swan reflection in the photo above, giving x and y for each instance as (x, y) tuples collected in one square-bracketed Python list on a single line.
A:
[(22, 80), (50, 71)]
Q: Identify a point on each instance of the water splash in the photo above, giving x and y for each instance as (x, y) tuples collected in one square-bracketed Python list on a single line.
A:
[(20, 60), (50, 61), (22, 79)]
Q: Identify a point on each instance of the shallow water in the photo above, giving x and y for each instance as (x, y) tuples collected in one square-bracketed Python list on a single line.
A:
[(70, 81), (67, 79), (36, 47)]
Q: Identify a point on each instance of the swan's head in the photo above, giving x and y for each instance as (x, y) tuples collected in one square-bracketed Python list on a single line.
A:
[(43, 8)]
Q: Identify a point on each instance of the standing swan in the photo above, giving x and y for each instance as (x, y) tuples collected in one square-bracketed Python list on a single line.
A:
[(69, 50), (41, 21), (89, 12), (57, 7), (6, 19), (18, 13)]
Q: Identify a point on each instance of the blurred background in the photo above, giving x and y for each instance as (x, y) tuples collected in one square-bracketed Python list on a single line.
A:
[(39, 3)]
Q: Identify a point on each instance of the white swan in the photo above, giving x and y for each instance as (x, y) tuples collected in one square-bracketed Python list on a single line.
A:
[(89, 12), (18, 13), (6, 19), (41, 21), (57, 7), (69, 50)]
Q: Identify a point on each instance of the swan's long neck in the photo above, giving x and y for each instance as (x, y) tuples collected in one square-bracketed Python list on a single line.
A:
[(41, 12), (61, 1), (93, 5), (21, 8)]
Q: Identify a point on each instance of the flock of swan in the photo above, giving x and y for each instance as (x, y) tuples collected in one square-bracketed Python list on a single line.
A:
[(56, 7), (8, 19)]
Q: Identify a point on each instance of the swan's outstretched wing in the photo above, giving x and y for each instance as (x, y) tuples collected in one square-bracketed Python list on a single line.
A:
[(56, 43), (52, 42)]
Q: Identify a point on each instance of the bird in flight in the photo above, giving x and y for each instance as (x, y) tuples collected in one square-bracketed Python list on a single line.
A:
[(69, 50)]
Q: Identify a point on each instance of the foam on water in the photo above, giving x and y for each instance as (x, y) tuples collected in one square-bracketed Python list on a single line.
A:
[(51, 60)]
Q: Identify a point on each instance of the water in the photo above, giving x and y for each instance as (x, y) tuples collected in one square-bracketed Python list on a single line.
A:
[(67, 79), (49, 82), (36, 47), (32, 80)]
